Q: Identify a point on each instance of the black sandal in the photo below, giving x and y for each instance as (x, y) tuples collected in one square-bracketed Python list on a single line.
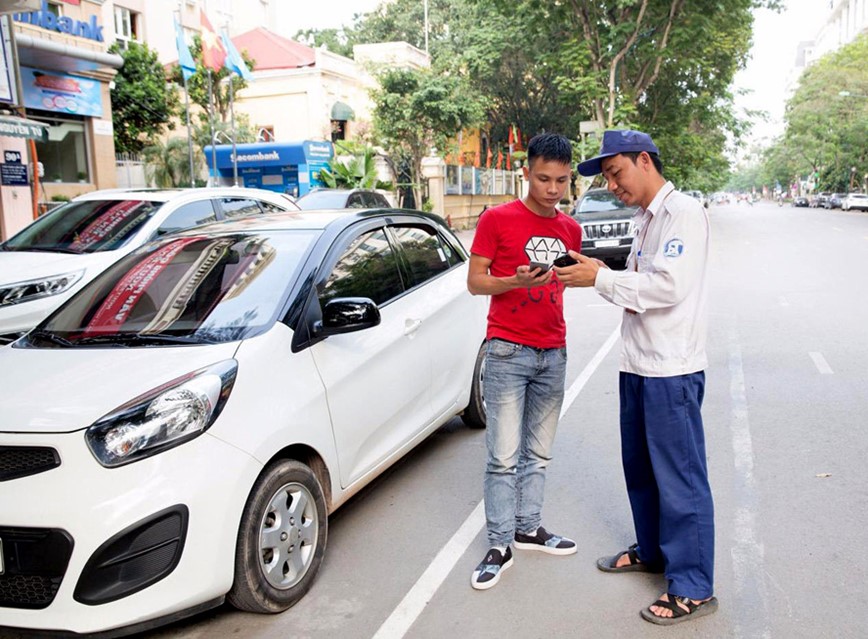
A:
[(678, 613), (609, 564)]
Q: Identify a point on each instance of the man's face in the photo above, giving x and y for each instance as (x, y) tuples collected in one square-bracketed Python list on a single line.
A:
[(548, 181), (628, 181)]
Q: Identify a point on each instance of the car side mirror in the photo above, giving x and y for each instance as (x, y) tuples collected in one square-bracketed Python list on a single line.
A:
[(346, 315)]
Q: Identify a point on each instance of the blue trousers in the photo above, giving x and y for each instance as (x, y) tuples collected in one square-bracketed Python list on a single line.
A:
[(663, 452)]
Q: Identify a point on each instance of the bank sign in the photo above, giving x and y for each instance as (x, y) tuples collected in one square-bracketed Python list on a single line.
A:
[(62, 24)]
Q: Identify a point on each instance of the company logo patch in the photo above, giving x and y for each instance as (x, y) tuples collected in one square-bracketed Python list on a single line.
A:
[(673, 248)]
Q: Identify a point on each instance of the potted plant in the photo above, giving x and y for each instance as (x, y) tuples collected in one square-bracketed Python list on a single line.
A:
[(82, 177), (56, 177)]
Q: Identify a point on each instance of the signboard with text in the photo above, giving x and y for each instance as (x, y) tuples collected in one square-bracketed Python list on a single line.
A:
[(8, 92)]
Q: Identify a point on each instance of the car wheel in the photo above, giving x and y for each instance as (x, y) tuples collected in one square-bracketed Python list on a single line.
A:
[(474, 414), (281, 540)]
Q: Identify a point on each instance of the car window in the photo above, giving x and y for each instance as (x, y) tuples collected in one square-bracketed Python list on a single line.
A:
[(322, 200), (85, 226), (268, 207), (376, 201), (367, 268), (191, 214), (239, 207), (424, 251), (599, 201), (356, 201)]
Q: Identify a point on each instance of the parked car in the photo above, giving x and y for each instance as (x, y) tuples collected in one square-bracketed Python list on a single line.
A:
[(607, 225), (834, 200), (855, 201), (343, 199), (800, 201), (820, 199), (182, 428), (56, 255), (699, 195)]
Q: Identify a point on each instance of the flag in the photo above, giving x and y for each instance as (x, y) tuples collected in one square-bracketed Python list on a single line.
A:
[(488, 159), (234, 61), (213, 53), (476, 159), (499, 159), (508, 163), (188, 66)]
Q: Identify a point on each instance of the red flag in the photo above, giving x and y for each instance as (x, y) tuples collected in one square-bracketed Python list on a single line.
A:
[(517, 137), (488, 159), (511, 139), (508, 163), (476, 159), (213, 53), (499, 159)]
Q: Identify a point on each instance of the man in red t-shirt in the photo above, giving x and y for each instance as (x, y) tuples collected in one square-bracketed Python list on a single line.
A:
[(511, 258)]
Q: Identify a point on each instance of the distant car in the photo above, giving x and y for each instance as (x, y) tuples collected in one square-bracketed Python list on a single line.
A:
[(607, 225), (820, 199), (699, 195), (800, 201), (180, 431), (57, 254), (342, 199), (834, 201), (855, 201)]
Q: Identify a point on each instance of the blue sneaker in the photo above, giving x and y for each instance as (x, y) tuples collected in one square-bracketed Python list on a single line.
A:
[(544, 541), (487, 573)]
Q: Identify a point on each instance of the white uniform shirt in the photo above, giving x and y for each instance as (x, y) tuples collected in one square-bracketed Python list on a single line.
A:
[(663, 289)]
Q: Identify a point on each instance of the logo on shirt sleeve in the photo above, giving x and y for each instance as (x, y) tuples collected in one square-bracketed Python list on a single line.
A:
[(544, 249), (673, 248)]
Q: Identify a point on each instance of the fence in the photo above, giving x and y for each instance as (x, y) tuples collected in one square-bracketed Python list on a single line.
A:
[(130, 171), (469, 180)]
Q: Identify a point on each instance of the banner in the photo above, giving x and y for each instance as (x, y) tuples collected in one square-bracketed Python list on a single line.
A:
[(60, 92)]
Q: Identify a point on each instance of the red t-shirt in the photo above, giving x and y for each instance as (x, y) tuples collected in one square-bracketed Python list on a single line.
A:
[(511, 235)]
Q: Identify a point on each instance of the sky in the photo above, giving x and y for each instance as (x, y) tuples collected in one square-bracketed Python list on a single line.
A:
[(773, 55)]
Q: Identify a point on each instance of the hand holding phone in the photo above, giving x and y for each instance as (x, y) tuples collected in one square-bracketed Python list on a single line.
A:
[(543, 266), (564, 260)]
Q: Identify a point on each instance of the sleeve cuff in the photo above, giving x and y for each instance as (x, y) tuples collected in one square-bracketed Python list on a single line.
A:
[(605, 283)]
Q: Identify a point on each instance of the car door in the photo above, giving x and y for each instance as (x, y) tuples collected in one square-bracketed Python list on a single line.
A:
[(376, 380), (452, 320)]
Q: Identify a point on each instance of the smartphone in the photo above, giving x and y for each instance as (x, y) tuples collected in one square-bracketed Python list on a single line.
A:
[(564, 260), (540, 265)]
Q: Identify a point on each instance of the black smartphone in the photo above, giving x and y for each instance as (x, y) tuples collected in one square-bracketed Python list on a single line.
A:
[(565, 260), (540, 265)]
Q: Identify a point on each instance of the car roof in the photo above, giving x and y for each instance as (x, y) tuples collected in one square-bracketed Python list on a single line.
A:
[(167, 195)]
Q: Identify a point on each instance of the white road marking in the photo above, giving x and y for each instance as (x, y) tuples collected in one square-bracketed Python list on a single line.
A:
[(747, 550), (836, 228), (783, 301), (821, 364), (414, 602)]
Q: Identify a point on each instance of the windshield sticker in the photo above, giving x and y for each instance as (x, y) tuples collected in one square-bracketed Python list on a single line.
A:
[(103, 226)]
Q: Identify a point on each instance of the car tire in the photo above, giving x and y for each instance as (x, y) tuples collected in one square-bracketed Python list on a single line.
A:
[(281, 539), (474, 414)]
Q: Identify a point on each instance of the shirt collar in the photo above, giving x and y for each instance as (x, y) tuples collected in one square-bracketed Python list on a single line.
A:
[(657, 202)]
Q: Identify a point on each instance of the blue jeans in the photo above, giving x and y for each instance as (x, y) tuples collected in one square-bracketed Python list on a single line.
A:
[(523, 389), (663, 451)]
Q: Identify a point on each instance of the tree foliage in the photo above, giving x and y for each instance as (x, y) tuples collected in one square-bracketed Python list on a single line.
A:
[(142, 104), (168, 163), (360, 172), (197, 85)]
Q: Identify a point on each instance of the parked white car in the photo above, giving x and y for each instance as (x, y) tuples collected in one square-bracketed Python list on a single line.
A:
[(60, 252), (855, 201), (178, 432)]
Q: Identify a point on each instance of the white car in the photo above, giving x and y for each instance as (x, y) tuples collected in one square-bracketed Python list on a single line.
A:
[(179, 431), (855, 201), (60, 252)]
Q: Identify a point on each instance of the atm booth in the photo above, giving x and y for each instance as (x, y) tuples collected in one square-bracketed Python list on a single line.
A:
[(285, 167)]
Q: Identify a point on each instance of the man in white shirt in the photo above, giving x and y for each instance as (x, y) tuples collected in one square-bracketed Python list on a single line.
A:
[(663, 292)]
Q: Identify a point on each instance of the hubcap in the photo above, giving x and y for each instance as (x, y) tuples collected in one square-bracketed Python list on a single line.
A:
[(288, 536)]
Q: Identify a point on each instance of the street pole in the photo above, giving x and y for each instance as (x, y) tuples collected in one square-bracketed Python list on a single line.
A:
[(211, 122), (232, 119)]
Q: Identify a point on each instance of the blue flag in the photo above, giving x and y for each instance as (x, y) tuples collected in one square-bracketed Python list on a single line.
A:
[(188, 67), (234, 61)]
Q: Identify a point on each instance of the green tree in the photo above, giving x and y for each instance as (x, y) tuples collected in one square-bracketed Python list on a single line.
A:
[(825, 131), (168, 163), (197, 84), (335, 40), (415, 111), (359, 172), (142, 103)]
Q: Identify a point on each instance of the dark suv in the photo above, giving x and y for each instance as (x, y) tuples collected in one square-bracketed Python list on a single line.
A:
[(607, 225)]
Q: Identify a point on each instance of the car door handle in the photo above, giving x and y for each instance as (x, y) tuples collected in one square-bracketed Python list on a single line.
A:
[(411, 326)]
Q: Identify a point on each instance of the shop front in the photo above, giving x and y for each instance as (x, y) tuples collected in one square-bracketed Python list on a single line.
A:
[(286, 167)]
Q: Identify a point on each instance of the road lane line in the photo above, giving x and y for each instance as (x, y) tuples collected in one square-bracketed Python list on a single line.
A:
[(414, 602), (783, 301), (821, 364), (747, 550)]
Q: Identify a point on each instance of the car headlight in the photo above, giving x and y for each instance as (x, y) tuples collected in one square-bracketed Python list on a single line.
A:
[(163, 418), (18, 292)]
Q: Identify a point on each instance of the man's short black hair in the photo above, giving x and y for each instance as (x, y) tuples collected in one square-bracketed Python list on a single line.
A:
[(655, 159), (551, 147)]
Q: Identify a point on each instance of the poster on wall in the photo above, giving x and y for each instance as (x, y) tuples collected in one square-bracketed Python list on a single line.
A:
[(8, 94), (60, 92)]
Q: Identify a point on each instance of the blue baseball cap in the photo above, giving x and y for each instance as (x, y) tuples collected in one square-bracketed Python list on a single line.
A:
[(617, 141)]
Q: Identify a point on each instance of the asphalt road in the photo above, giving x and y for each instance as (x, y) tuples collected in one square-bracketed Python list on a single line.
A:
[(785, 417)]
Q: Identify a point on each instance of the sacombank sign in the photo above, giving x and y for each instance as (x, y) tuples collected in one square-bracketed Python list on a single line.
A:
[(254, 157), (47, 20)]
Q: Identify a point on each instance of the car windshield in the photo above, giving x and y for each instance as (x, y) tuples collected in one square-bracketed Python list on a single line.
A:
[(87, 226), (599, 201), (189, 289), (323, 200)]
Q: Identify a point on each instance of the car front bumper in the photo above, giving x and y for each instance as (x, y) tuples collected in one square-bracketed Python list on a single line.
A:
[(146, 541)]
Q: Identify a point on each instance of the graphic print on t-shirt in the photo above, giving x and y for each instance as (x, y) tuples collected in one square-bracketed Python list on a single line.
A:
[(544, 249)]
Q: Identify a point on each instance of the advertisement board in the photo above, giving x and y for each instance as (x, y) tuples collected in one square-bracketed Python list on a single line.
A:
[(61, 92), (8, 92)]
